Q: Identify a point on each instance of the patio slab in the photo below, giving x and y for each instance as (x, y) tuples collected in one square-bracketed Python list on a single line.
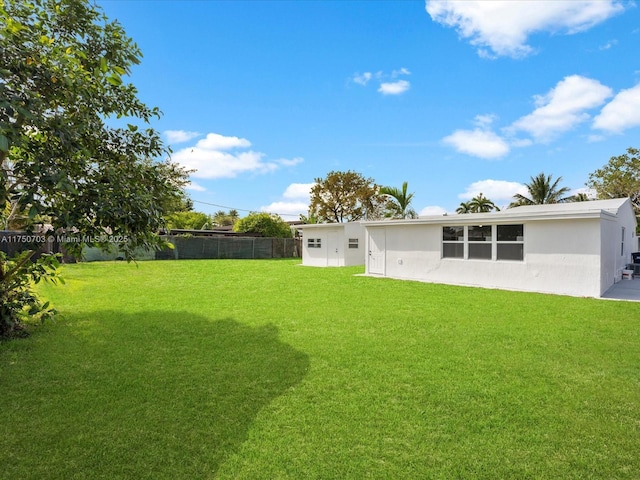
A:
[(624, 290)]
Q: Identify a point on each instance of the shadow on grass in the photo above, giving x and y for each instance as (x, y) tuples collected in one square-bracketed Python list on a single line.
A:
[(151, 395)]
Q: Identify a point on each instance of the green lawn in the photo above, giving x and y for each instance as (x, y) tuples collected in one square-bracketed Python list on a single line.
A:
[(266, 369)]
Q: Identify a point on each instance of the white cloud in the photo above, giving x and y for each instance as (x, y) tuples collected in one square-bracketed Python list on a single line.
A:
[(215, 141), (431, 210), (298, 191), (386, 87), (502, 27), (180, 136), (478, 142), (498, 191), (402, 71), (287, 209), (362, 79), (608, 45), (486, 120), (563, 107), (394, 88), (195, 187), (211, 159), (290, 162), (621, 113), (296, 201)]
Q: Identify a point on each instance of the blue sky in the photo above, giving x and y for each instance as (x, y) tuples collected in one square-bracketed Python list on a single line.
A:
[(262, 97)]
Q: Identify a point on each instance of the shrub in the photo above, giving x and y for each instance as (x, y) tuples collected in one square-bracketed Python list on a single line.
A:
[(18, 301), (268, 225)]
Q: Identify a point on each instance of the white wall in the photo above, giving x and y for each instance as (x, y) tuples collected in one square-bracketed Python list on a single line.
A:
[(615, 256), (560, 257), (341, 232), (354, 256)]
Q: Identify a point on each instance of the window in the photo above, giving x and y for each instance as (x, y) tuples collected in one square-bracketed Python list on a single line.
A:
[(353, 243), (453, 242), (479, 242), (510, 242), (314, 243), (622, 245)]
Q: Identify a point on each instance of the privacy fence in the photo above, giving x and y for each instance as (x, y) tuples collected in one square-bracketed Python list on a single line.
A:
[(230, 247), (185, 247), (12, 242)]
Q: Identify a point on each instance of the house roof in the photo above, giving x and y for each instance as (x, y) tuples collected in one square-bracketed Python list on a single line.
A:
[(555, 211), (325, 225)]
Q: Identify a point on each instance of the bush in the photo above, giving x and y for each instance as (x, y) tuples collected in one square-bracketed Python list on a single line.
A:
[(268, 225), (18, 301)]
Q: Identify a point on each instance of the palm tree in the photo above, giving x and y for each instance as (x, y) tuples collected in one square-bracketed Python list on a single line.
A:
[(541, 191), (579, 197), (465, 207), (399, 205), (481, 204), (478, 204)]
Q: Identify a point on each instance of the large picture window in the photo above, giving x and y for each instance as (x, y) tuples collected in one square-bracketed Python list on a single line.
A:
[(453, 242)]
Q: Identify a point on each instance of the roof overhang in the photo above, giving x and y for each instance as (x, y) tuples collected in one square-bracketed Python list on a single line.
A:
[(504, 217)]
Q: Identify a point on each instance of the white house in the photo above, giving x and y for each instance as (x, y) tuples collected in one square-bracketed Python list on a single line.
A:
[(333, 244), (577, 249)]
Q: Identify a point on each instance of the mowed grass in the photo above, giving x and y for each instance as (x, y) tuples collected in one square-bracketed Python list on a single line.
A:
[(266, 369)]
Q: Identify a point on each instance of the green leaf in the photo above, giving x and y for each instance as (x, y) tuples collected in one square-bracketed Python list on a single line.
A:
[(4, 144), (114, 80)]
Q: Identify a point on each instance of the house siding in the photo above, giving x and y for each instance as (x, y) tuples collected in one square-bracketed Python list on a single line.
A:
[(557, 259), (568, 249), (334, 237)]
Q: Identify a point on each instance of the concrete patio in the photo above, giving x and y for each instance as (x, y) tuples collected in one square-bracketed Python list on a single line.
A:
[(624, 290)]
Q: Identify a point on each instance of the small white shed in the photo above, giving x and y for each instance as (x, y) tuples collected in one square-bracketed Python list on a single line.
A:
[(333, 244), (577, 249)]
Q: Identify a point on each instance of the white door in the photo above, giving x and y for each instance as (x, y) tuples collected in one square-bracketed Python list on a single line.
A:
[(376, 251), (333, 252)]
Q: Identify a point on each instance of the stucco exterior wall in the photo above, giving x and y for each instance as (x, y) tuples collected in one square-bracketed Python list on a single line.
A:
[(559, 257), (354, 255), (615, 252), (335, 250)]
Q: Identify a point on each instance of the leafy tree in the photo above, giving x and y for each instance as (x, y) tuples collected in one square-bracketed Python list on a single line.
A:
[(399, 205), (186, 220), (222, 218), (619, 178), (345, 197), (310, 220), (63, 158), (265, 224), (541, 191)]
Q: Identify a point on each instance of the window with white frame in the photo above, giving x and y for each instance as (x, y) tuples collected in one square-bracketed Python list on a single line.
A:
[(622, 245), (510, 244), (314, 243), (479, 237), (479, 242), (453, 242)]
